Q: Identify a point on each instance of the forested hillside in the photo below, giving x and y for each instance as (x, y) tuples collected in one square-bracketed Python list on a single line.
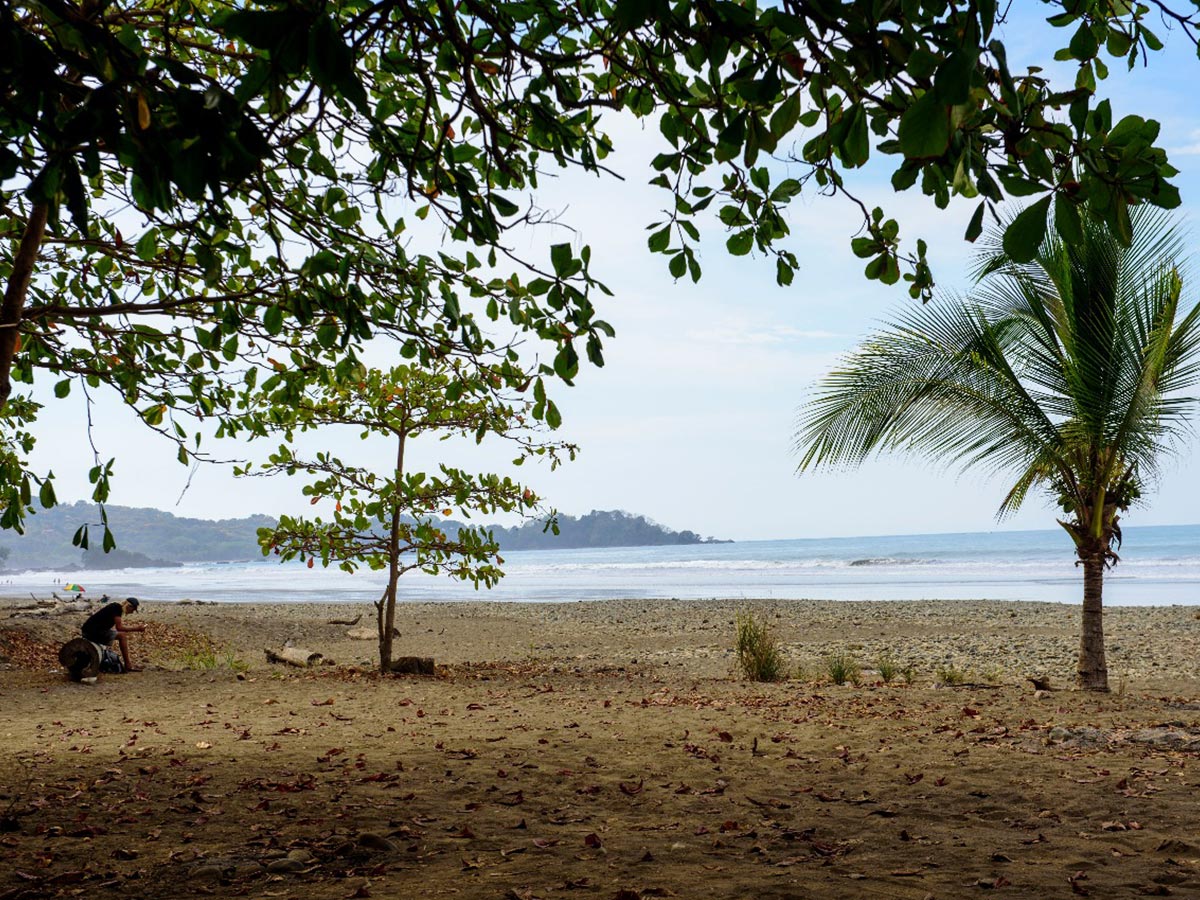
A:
[(151, 537), (144, 537), (614, 528)]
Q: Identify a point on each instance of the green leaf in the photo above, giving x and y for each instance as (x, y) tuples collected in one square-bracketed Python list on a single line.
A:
[(660, 240), (739, 243), (1083, 44), (1067, 220), (784, 273), (975, 226), (503, 205), (953, 79), (924, 131), (678, 265), (1027, 231), (561, 257), (273, 320)]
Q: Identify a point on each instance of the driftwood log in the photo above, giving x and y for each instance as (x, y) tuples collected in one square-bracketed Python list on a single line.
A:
[(353, 621), (45, 608), (80, 658), (293, 656), (412, 665)]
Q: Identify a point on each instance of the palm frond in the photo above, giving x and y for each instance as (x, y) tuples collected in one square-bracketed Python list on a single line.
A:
[(1068, 371)]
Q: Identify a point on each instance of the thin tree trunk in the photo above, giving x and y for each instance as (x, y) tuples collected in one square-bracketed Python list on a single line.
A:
[(387, 608), (1093, 668), (16, 291)]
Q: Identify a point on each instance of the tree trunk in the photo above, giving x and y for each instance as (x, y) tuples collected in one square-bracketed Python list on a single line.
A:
[(15, 293), (1093, 669), (387, 603)]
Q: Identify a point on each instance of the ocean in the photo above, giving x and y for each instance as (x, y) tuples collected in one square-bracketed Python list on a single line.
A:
[(1159, 566)]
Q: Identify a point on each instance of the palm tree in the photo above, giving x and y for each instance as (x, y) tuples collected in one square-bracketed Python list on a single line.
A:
[(1067, 371)]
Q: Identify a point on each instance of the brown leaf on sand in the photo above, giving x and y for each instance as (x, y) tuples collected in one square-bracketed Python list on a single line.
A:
[(593, 840), (632, 789)]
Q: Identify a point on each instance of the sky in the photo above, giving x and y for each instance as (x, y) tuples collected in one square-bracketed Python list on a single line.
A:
[(690, 422)]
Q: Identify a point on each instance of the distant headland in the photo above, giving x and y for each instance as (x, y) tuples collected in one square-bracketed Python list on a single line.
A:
[(154, 538)]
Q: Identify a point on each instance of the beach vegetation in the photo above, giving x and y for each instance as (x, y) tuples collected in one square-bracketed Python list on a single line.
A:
[(842, 667), (209, 658), (386, 518), (950, 675), (1065, 367), (758, 655), (207, 207), (887, 666)]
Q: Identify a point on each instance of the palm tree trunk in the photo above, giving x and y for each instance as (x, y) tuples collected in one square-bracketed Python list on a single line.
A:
[(1093, 668)]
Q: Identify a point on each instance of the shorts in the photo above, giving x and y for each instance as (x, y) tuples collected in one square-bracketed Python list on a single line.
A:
[(103, 638)]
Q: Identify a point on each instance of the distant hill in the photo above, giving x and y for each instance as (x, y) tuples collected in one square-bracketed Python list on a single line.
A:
[(151, 537), (145, 537), (598, 528)]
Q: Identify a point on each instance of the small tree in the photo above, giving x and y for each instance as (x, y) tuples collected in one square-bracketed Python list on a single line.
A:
[(386, 520)]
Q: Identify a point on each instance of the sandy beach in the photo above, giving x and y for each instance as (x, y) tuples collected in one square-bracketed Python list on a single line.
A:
[(605, 750)]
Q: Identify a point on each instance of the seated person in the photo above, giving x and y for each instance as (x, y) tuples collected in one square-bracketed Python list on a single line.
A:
[(107, 624)]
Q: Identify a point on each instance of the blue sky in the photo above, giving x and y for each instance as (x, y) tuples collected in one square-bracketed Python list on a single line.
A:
[(690, 421)]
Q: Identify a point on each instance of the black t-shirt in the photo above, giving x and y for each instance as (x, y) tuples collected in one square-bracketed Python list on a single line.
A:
[(103, 620)]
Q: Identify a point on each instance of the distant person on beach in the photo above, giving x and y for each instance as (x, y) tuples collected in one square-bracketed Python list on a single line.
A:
[(107, 624)]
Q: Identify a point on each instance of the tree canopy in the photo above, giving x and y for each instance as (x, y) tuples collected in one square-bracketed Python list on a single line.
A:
[(207, 203)]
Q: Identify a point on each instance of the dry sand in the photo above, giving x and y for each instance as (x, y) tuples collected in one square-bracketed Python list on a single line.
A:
[(605, 750)]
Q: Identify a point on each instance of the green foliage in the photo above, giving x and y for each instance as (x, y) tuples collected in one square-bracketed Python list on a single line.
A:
[(387, 519), (598, 528), (248, 190), (888, 667), (841, 667), (950, 675), (209, 658), (758, 655)]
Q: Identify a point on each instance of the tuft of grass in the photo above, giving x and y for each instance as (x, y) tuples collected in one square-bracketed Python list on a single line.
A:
[(909, 674), (950, 674), (206, 659), (888, 667), (758, 656), (842, 667)]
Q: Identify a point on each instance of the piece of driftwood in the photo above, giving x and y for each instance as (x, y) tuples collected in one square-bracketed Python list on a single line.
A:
[(353, 621), (412, 665), (45, 608), (293, 656)]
